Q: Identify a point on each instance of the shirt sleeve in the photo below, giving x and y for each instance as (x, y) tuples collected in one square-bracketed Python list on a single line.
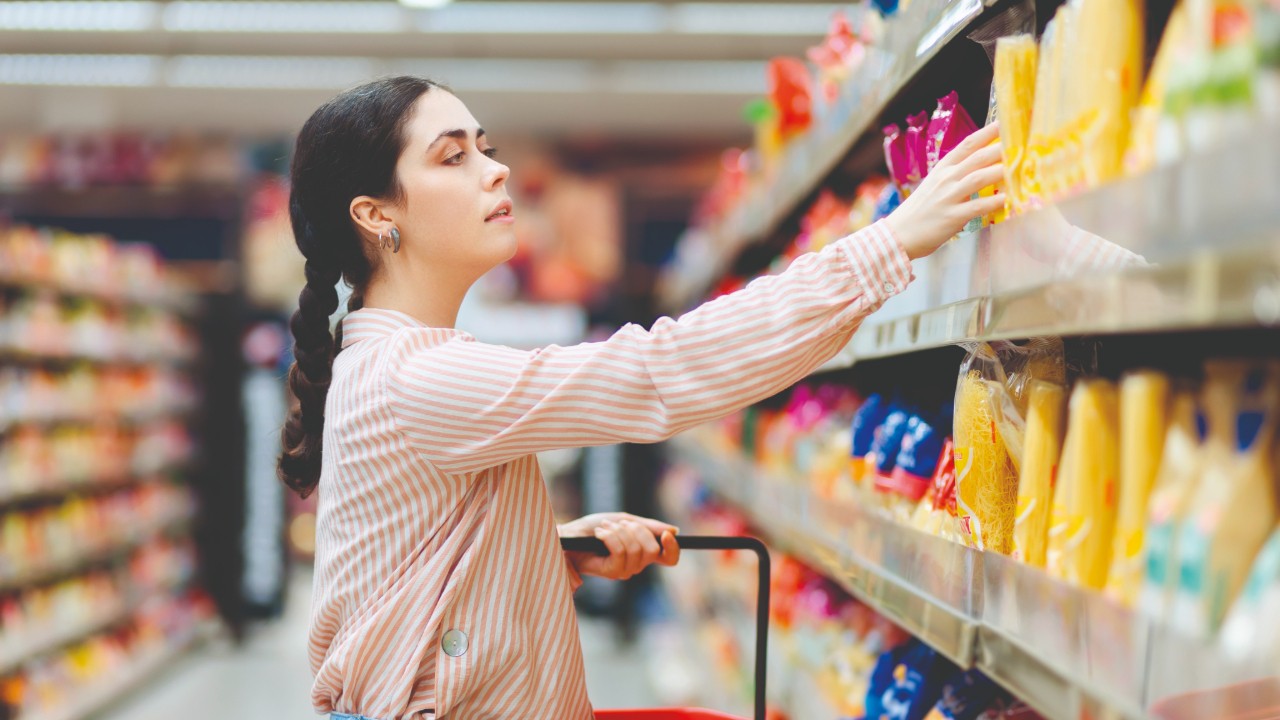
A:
[(468, 406)]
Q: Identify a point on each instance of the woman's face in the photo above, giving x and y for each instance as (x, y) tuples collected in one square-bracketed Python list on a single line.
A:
[(454, 211)]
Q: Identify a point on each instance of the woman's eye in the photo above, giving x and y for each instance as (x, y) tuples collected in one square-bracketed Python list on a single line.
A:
[(455, 159), (491, 153)]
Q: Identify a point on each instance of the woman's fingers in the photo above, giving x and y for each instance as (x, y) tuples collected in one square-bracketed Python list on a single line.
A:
[(986, 157), (973, 144), (670, 549), (979, 179), (615, 564), (984, 205)]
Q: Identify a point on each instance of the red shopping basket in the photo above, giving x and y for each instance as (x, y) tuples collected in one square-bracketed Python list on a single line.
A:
[(703, 542)]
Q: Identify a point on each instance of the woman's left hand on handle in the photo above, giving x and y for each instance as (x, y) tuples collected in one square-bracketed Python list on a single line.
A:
[(634, 544)]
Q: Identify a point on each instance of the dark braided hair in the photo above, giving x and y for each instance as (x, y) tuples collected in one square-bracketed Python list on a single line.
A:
[(349, 147)]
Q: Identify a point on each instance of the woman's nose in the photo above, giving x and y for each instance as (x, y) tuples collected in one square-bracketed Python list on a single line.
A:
[(498, 175)]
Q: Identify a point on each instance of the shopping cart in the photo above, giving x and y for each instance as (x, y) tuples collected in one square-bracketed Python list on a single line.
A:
[(703, 542)]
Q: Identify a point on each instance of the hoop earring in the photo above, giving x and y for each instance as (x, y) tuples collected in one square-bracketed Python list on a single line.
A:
[(395, 240), (382, 241)]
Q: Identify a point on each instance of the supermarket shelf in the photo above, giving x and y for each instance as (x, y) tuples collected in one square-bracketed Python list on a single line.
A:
[(931, 587), (144, 301), (58, 490), (825, 535), (78, 565), (1232, 288), (916, 35), (214, 201), (93, 701), (9, 356), (13, 661)]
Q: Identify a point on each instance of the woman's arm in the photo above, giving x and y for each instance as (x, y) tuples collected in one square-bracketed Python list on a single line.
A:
[(468, 406)]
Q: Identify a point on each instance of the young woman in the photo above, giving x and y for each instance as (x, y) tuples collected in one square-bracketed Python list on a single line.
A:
[(441, 590)]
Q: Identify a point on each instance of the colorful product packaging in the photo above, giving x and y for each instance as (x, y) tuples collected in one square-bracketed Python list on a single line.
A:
[(1180, 472), (1088, 483), (1234, 509), (866, 422), (1144, 400), (986, 475), (1042, 450)]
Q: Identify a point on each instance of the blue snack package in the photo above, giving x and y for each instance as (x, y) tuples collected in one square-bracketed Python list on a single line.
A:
[(971, 696), (888, 438), (865, 421), (917, 460), (914, 684)]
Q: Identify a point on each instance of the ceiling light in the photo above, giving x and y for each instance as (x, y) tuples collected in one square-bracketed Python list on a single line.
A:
[(80, 70), (78, 15), (432, 4)]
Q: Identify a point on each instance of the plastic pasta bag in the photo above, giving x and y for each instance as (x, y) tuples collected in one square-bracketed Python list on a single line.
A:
[(986, 476), (1045, 410), (1090, 484), (1144, 400), (1014, 87)]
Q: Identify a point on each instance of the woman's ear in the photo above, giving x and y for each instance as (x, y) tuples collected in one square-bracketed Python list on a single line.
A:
[(371, 218)]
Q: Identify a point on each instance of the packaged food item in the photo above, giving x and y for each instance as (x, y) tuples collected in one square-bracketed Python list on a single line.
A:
[(1144, 399), (936, 513), (1180, 471), (790, 92), (1015, 90), (1104, 80), (971, 695), (896, 157), (1154, 137), (1251, 632), (907, 682), (986, 475), (1088, 483), (949, 125), (917, 150), (1043, 448), (885, 447), (865, 424), (914, 468), (1234, 508)]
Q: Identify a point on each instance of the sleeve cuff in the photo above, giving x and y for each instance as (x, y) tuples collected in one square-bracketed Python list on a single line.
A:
[(1086, 251), (878, 262)]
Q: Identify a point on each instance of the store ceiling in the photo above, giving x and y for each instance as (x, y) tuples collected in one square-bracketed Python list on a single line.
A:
[(603, 69)]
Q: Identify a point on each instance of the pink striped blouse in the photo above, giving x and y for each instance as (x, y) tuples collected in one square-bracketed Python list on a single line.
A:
[(440, 588)]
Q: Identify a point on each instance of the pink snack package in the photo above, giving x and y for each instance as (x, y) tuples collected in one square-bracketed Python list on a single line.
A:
[(917, 149), (950, 124), (895, 156)]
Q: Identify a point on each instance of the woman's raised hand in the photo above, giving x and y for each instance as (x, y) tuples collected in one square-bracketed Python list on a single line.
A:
[(943, 203)]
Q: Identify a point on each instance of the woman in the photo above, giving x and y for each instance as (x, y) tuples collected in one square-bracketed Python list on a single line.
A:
[(440, 589)]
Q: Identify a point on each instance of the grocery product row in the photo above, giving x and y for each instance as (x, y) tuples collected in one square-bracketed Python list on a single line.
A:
[(36, 462), (37, 620), (1105, 518), (85, 266), (76, 682), (831, 655), (1164, 162), (46, 542), (44, 396), (37, 325)]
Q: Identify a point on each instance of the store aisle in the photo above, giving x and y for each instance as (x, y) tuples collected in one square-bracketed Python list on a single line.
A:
[(268, 678)]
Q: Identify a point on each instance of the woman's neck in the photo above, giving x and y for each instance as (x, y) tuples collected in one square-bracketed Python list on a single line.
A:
[(426, 300)]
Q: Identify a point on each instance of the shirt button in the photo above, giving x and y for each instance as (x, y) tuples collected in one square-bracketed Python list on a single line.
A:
[(889, 287), (454, 643)]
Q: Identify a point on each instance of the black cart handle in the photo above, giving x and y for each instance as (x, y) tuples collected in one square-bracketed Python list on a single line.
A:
[(596, 546)]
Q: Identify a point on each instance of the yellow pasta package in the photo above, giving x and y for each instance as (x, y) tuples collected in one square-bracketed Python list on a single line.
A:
[(1175, 486), (1106, 72), (1041, 451), (986, 477), (1150, 115), (1015, 89), (1234, 509), (1094, 466), (1144, 398)]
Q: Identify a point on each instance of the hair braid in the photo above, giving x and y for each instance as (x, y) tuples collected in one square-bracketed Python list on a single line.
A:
[(347, 148)]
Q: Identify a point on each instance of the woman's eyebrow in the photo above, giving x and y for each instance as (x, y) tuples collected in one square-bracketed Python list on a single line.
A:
[(456, 134)]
